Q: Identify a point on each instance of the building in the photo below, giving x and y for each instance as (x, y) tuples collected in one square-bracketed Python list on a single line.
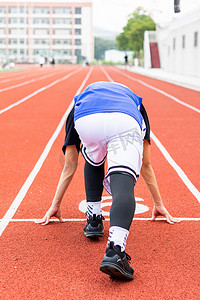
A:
[(59, 29), (178, 45)]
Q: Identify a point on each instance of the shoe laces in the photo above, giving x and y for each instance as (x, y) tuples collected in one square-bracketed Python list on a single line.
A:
[(117, 248), (127, 256), (95, 217)]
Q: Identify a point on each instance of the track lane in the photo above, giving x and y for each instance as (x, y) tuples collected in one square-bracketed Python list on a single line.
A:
[(165, 257), (180, 192), (19, 152), (185, 94), (26, 70), (41, 262), (169, 121), (24, 80), (9, 97)]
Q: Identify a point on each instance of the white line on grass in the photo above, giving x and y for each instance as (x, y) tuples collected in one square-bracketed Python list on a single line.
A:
[(170, 160), (20, 196), (38, 91), (159, 91)]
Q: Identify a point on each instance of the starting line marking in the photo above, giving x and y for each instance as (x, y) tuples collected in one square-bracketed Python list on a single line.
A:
[(82, 220)]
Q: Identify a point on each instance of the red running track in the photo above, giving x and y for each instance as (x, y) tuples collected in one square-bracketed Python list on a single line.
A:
[(57, 261)]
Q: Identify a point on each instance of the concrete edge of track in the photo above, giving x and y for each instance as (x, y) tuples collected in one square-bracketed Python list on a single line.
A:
[(190, 82)]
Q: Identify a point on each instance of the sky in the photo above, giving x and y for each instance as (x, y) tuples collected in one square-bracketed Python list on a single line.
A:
[(113, 14)]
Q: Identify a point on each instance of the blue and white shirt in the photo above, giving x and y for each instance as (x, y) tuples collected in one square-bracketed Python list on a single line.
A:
[(108, 97)]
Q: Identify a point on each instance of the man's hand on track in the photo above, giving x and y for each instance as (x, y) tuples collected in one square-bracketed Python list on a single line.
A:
[(160, 210), (54, 211)]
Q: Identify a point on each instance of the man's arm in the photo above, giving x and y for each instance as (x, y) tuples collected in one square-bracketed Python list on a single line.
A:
[(71, 161), (151, 182)]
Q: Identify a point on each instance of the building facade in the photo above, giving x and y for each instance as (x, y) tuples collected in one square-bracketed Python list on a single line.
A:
[(62, 30), (178, 45)]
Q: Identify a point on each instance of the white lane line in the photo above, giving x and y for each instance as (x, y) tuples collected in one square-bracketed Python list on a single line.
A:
[(174, 165), (7, 80), (26, 76), (178, 170), (29, 81), (20, 196), (39, 91), (82, 220), (159, 91), (107, 75)]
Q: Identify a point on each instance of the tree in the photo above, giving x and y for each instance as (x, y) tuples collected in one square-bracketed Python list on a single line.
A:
[(132, 37), (101, 45)]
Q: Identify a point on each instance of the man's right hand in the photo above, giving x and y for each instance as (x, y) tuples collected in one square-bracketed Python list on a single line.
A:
[(54, 211)]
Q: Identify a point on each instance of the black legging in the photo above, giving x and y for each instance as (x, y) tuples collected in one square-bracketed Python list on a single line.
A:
[(122, 188), (93, 182), (123, 205)]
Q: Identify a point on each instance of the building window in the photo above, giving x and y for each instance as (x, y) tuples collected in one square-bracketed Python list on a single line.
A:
[(22, 10), (41, 10), (77, 21), (21, 51), (183, 41), (2, 10), (13, 10), (62, 32), (77, 31), (56, 42), (41, 31), (174, 43), (21, 41), (67, 42), (57, 52), (62, 42), (196, 39), (78, 52), (62, 21), (43, 42), (2, 21), (22, 21), (11, 42), (77, 10), (41, 21), (13, 21), (62, 10), (13, 51), (16, 10), (77, 42)]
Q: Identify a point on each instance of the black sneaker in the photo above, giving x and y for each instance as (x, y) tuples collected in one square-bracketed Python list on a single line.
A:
[(115, 263), (94, 227)]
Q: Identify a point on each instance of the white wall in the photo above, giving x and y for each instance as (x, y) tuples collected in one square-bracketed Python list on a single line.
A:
[(184, 61)]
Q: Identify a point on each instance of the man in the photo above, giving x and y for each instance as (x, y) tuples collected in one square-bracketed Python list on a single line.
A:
[(111, 122)]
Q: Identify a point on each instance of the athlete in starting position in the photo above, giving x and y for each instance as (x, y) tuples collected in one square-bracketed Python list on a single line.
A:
[(112, 123)]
